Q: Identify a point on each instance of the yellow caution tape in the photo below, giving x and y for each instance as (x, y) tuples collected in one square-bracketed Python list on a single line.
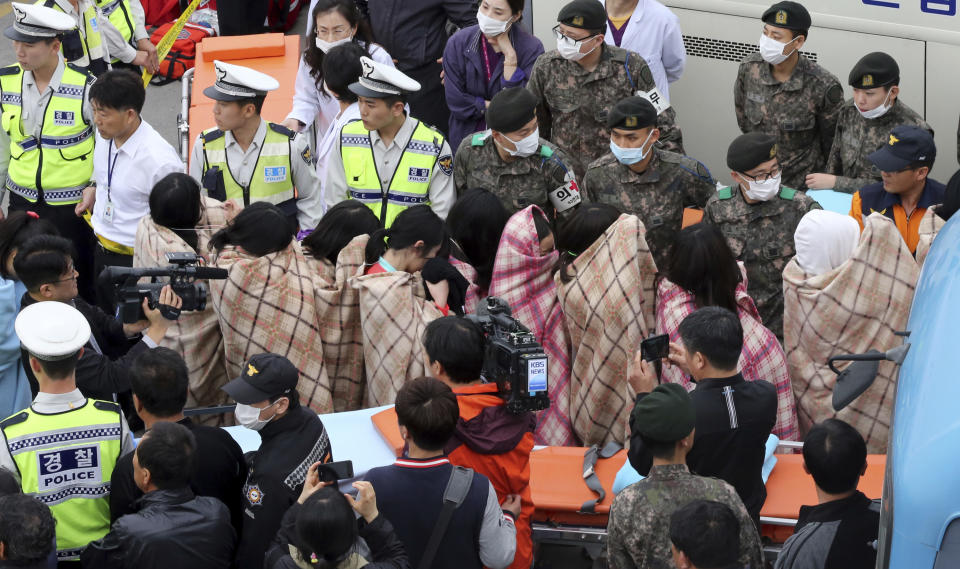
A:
[(163, 48)]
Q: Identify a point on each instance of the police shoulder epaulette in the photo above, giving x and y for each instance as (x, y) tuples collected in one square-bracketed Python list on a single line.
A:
[(10, 70), (211, 135), (725, 193), (787, 193), (478, 139), (282, 129), (14, 420), (546, 151), (81, 70), (107, 406)]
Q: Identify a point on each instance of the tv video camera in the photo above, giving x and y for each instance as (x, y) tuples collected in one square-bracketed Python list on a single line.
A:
[(181, 275), (512, 357)]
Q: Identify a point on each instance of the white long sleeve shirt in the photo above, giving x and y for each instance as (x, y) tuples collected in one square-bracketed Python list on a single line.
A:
[(114, 45)]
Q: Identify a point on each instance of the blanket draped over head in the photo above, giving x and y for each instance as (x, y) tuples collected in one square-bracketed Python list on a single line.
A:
[(930, 225), (608, 307), (338, 313), (267, 304), (195, 335), (854, 308), (393, 315), (762, 357), (524, 279), (473, 291)]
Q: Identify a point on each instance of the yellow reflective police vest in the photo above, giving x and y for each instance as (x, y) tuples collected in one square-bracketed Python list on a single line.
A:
[(58, 165), (65, 460), (93, 57), (272, 178), (410, 184), (121, 16)]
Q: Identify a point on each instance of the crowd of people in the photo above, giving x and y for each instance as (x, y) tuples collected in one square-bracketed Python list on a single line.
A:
[(421, 171)]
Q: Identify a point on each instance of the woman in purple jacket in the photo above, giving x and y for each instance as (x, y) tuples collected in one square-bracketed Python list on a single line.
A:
[(481, 60)]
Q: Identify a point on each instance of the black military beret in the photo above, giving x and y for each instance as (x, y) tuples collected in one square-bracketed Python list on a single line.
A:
[(748, 151), (666, 414), (585, 14), (632, 113), (875, 69), (789, 15), (511, 109)]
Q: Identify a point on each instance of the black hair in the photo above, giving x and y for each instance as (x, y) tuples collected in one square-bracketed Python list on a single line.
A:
[(393, 100), (951, 198), (702, 263), (338, 227), (341, 68), (458, 344), (716, 333), (516, 6), (707, 532), (429, 410), (257, 102), (43, 259), (327, 526), (587, 224), (293, 396), (168, 451), (314, 56), (27, 531), (119, 90), (160, 379), (61, 368), (659, 449), (175, 204), (15, 230), (476, 222), (921, 163), (260, 229), (835, 455), (541, 224), (8, 483), (417, 223)]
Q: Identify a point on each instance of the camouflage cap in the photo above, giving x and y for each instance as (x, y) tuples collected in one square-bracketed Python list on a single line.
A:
[(584, 14), (632, 113), (875, 69), (750, 150), (666, 414), (789, 15)]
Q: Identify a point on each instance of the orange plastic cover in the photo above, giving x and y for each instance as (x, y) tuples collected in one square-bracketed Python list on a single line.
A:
[(691, 216), (386, 423)]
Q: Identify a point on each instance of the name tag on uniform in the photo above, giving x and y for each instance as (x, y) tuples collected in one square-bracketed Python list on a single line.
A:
[(108, 212), (566, 196), (63, 118), (756, 97), (64, 468), (656, 98), (94, 25), (274, 174), (418, 175)]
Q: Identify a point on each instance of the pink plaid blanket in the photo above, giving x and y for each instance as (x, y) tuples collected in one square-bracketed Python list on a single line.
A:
[(930, 225), (473, 291)]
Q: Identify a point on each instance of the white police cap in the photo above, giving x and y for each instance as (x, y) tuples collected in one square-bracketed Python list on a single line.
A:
[(33, 23), (52, 330), (379, 81), (236, 82)]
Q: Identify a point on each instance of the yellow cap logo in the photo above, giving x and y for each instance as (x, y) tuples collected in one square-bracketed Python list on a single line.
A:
[(893, 140), (881, 212), (867, 81), (773, 151), (577, 21), (781, 17), (630, 122), (251, 370)]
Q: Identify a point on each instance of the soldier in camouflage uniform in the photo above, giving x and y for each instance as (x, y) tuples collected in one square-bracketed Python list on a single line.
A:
[(637, 178), (758, 217), (638, 532), (577, 83), (512, 161), (865, 123), (780, 92)]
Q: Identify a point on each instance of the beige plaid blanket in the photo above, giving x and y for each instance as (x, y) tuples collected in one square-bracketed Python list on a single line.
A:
[(267, 304), (854, 308), (930, 225), (195, 335), (608, 309), (393, 316)]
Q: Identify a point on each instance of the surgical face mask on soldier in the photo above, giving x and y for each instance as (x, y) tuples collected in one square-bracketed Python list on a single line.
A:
[(492, 27), (569, 48), (878, 111), (326, 46), (526, 146), (249, 416), (765, 190), (771, 50), (631, 155)]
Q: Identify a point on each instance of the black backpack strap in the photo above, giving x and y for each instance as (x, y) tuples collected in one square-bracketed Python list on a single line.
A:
[(455, 493), (590, 477)]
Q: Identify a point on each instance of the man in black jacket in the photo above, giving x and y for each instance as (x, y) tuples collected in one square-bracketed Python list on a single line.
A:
[(734, 416), (160, 380), (172, 527), (292, 440)]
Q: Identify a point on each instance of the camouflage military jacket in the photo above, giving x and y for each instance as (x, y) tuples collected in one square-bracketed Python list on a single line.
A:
[(657, 196), (518, 184), (574, 102), (858, 137), (801, 112), (761, 235), (638, 533)]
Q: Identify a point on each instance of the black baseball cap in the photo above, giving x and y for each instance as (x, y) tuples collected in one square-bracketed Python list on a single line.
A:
[(906, 145), (264, 376)]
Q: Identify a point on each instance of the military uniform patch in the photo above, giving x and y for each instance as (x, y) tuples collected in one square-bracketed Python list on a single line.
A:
[(307, 155), (781, 17), (446, 164), (867, 81)]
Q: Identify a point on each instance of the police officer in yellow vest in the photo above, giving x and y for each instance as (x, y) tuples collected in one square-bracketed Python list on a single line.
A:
[(64, 446), (246, 159), (388, 160), (46, 143), (128, 18)]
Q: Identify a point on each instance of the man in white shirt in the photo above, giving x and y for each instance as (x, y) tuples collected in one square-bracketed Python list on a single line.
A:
[(652, 30), (129, 158)]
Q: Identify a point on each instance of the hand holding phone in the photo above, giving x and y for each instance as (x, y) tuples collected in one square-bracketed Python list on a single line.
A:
[(655, 348)]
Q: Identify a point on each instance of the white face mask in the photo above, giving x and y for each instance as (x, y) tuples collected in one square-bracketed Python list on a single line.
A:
[(326, 46), (771, 50), (526, 146), (764, 191), (249, 416), (492, 27), (877, 112), (570, 49)]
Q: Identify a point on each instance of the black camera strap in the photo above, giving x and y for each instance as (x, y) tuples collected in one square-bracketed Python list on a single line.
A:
[(453, 495), (590, 477)]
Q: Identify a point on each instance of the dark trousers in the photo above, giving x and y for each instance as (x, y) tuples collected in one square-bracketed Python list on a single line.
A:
[(429, 104), (102, 258), (121, 66), (73, 228), (241, 17)]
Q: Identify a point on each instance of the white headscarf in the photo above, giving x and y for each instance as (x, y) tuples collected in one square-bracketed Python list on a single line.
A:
[(825, 240)]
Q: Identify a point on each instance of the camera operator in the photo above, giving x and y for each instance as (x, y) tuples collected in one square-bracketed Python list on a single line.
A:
[(488, 438), (45, 266)]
